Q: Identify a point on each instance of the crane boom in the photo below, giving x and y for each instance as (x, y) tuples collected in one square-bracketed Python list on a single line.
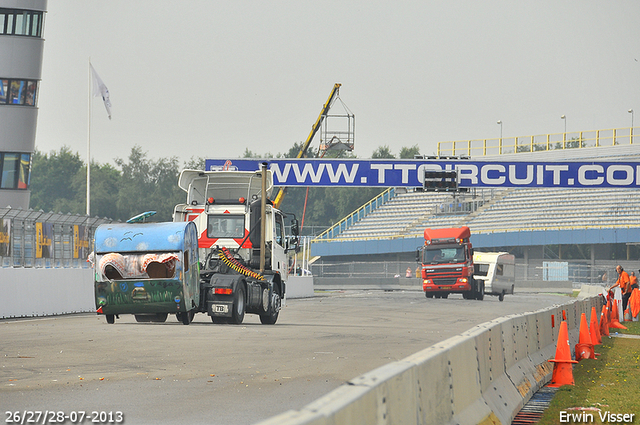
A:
[(314, 130)]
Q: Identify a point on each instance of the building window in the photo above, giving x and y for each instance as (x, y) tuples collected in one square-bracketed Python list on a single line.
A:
[(24, 176), (30, 98), (18, 92), (4, 88), (15, 170), (20, 22)]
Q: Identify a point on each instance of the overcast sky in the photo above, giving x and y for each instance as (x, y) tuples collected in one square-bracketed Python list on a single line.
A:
[(207, 78)]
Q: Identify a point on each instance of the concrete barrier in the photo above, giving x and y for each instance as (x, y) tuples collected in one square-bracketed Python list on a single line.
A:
[(403, 283), (553, 286), (590, 291), (368, 283), (483, 376), (299, 287), (44, 292), (30, 292)]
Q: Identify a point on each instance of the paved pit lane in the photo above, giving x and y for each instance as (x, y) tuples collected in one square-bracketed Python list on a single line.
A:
[(169, 373)]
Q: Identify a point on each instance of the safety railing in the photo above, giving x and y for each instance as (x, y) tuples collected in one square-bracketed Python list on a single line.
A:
[(355, 216), (414, 233), (542, 142), (547, 269), (31, 238)]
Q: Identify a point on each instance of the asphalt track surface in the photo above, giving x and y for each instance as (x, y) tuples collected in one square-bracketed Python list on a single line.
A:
[(168, 373)]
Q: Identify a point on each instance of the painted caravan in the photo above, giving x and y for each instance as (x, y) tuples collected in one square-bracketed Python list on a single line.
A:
[(497, 270), (149, 270)]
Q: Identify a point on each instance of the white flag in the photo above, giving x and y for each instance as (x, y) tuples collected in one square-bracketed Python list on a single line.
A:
[(99, 89)]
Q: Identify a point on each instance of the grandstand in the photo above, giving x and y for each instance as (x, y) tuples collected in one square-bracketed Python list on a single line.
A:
[(408, 213), (510, 210), (529, 218)]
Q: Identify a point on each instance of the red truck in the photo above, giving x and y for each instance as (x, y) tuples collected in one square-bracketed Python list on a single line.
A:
[(447, 264)]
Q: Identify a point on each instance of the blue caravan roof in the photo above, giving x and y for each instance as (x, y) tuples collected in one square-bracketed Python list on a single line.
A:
[(141, 237)]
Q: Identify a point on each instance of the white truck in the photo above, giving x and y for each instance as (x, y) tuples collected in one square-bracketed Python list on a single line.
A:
[(241, 242), (497, 270)]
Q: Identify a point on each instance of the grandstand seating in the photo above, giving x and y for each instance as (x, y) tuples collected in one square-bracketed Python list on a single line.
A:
[(408, 214)]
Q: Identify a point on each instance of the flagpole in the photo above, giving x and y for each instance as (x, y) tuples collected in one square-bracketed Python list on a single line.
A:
[(89, 145)]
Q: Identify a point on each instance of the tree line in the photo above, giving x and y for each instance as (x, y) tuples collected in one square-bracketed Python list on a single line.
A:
[(139, 183)]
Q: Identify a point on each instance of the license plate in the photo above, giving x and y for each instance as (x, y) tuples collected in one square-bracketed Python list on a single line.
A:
[(445, 287), (220, 308)]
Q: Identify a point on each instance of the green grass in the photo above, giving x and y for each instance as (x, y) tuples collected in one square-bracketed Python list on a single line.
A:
[(609, 383)]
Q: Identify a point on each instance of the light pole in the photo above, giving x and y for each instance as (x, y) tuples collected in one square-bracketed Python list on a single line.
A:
[(564, 135), (631, 129), (500, 142)]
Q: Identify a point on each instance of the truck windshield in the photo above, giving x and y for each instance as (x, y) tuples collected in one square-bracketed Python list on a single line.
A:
[(451, 254), (225, 226)]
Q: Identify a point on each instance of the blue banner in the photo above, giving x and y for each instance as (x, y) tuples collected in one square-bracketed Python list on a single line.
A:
[(410, 173)]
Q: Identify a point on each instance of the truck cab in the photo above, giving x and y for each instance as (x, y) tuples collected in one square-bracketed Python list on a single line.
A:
[(447, 264), (239, 272), (223, 205)]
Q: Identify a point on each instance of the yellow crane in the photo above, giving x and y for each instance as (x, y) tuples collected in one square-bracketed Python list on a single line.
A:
[(314, 130)]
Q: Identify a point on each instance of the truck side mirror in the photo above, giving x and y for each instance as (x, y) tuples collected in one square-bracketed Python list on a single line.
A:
[(295, 229), (292, 244), (418, 251)]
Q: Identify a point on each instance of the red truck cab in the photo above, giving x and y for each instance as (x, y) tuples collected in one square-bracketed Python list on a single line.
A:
[(447, 264)]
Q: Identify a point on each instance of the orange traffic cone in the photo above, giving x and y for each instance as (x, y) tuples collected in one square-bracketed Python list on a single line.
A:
[(562, 369), (584, 347), (615, 322), (604, 321), (594, 329), (634, 302)]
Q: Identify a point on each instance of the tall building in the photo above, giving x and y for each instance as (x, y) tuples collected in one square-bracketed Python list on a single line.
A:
[(21, 48)]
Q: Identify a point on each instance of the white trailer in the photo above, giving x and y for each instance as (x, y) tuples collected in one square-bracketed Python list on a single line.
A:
[(497, 270)]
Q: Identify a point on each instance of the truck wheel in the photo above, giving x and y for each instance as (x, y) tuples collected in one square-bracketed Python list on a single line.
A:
[(185, 317), (480, 292), (237, 315), (111, 319), (141, 318), (445, 295), (501, 296), (428, 295), (272, 316), (159, 317)]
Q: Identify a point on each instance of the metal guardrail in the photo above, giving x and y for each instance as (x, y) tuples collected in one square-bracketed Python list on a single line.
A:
[(358, 214), (548, 269), (541, 142), (31, 238)]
